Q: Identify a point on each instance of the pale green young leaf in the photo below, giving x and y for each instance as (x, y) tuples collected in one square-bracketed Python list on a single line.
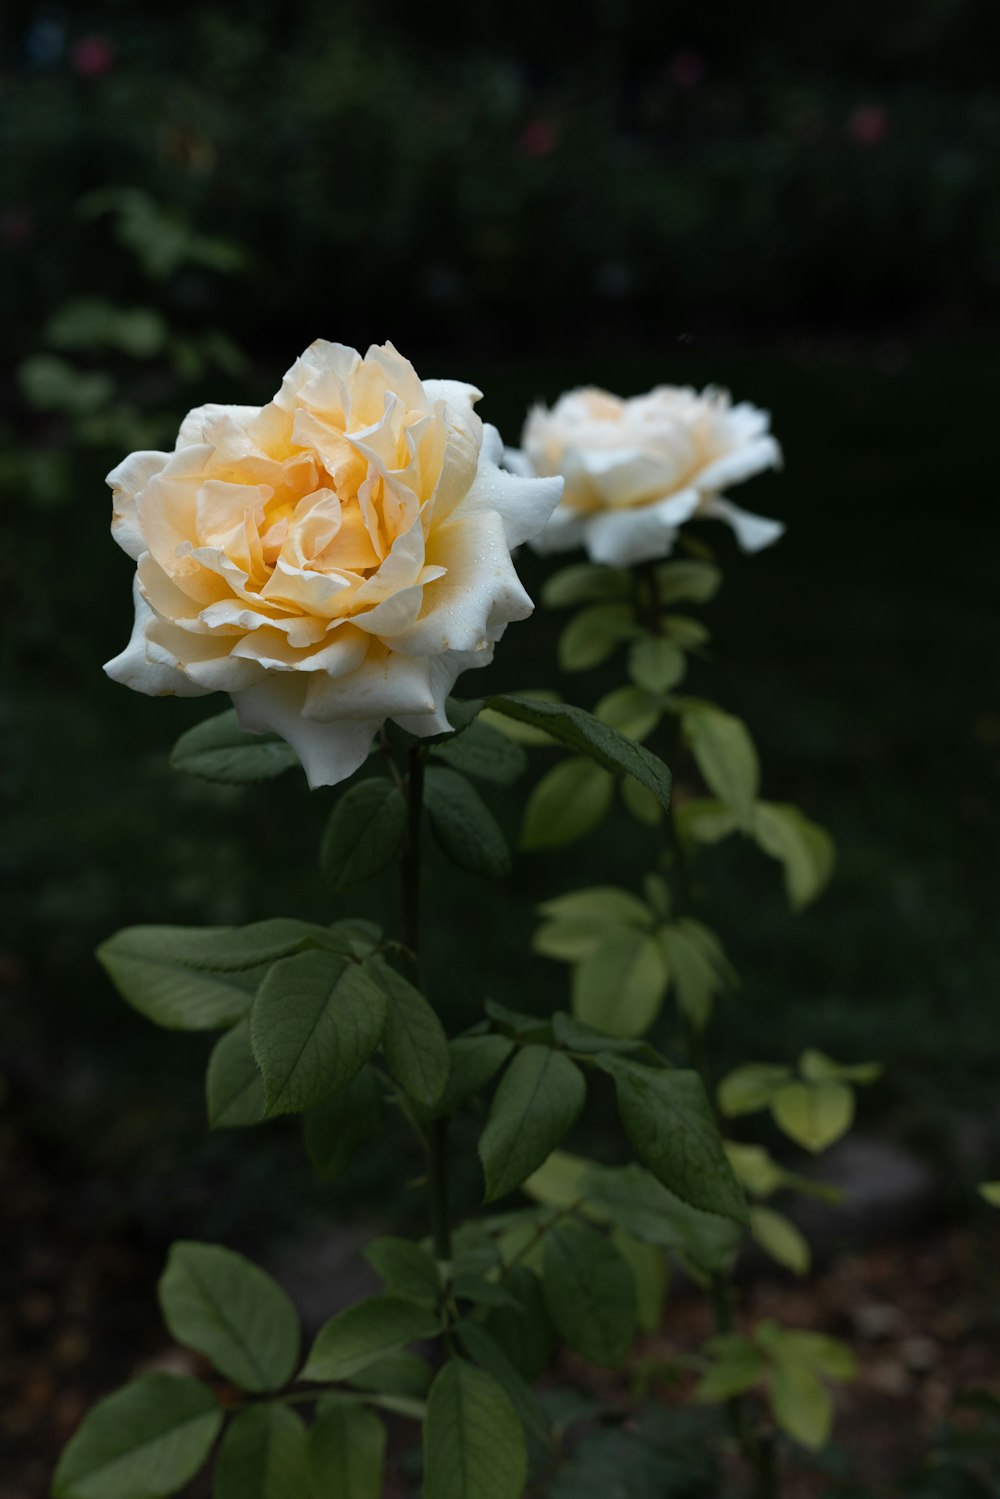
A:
[(227, 1308), (725, 755), (463, 825), (234, 1088), (806, 1350), (813, 1114), (805, 849), (483, 1350), (779, 1238), (556, 1182), (198, 978), (686, 632), (346, 1450), (755, 1168), (816, 1067), (405, 1268), (473, 1062), (603, 906), (143, 1442), (485, 753), (655, 663), (736, 1366), (219, 750), (365, 832), (590, 1293), (592, 635), (474, 1446), (801, 1405), (990, 1192), (669, 1121), (584, 583), (539, 1099), (335, 1129), (631, 711), (703, 819), (263, 1456), (619, 986), (687, 582), (696, 964), (586, 734), (648, 1265), (749, 1088), (315, 1022), (356, 1337), (414, 1043), (642, 804), (568, 802)]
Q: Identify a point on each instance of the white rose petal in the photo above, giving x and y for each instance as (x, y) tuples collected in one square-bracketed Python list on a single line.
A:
[(335, 558), (635, 470)]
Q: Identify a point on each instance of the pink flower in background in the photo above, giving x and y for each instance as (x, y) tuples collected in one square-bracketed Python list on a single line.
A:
[(868, 125), (687, 68), (92, 56), (538, 138)]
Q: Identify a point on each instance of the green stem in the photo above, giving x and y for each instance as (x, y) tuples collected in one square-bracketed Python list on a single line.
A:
[(437, 1134)]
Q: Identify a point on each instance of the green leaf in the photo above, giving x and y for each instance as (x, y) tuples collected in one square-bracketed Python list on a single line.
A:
[(483, 752), (655, 663), (590, 1293), (557, 1180), (813, 1114), (524, 1334), (356, 1337), (484, 1351), (801, 1405), (619, 986), (584, 583), (577, 921), (415, 1045), (735, 1368), (405, 1374), (263, 1456), (198, 978), (521, 733), (592, 635), (539, 1099), (816, 1067), (474, 1060), (365, 832), (568, 802), (574, 1035), (725, 755), (642, 804), (631, 1198), (990, 1192), (586, 734), (346, 1450), (143, 1442), (750, 1088), (756, 1169), (405, 1269), (463, 825), (219, 750), (315, 1022), (669, 1121), (519, 1026), (335, 1129), (225, 1307), (648, 1265), (687, 633), (631, 711), (804, 848), (697, 966), (474, 1445), (687, 582), (705, 820), (234, 1087), (779, 1238), (806, 1350)]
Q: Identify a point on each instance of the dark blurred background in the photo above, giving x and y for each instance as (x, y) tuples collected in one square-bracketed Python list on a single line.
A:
[(802, 203)]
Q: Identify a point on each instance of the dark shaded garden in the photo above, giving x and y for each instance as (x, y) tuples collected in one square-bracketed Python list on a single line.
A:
[(803, 211)]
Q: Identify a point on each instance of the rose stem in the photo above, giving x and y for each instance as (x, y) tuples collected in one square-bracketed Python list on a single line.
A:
[(758, 1450), (437, 1173)]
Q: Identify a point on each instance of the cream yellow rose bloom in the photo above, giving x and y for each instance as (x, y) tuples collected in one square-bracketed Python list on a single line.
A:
[(332, 559), (636, 469)]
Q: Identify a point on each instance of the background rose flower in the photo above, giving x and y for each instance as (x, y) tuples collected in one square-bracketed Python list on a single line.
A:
[(636, 469), (332, 559)]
